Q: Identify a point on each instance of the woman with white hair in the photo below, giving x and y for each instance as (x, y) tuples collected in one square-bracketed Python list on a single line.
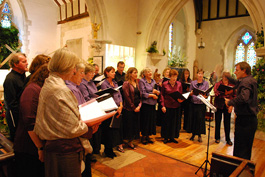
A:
[(58, 119), (148, 112)]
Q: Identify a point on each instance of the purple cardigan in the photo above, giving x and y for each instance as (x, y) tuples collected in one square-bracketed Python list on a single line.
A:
[(146, 89), (116, 96), (88, 88), (74, 88)]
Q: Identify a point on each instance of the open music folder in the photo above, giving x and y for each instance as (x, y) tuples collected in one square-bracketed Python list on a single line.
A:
[(223, 88), (98, 110), (176, 95), (108, 90), (197, 91)]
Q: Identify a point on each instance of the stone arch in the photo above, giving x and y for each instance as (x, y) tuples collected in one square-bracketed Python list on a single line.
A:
[(22, 23), (230, 45)]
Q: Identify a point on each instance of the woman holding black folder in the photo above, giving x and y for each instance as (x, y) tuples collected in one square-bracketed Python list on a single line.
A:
[(112, 137), (199, 108), (132, 105), (171, 123), (186, 104), (223, 89), (148, 113)]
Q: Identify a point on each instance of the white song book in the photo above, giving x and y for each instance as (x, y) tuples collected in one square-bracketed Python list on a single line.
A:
[(98, 110)]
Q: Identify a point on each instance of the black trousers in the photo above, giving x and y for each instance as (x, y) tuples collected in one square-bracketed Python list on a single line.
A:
[(227, 121), (245, 129)]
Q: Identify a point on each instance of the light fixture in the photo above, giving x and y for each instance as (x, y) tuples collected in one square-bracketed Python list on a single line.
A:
[(201, 45)]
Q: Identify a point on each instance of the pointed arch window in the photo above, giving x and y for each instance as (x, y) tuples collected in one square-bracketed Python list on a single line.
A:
[(245, 50), (6, 14)]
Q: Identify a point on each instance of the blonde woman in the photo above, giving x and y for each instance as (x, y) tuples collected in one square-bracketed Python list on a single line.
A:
[(132, 105)]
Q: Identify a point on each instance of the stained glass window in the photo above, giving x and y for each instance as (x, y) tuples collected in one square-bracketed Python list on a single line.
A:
[(6, 16), (246, 38), (1, 1), (251, 55), (245, 50), (240, 53), (170, 37)]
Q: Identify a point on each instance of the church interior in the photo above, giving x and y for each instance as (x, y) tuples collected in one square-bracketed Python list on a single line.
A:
[(212, 35)]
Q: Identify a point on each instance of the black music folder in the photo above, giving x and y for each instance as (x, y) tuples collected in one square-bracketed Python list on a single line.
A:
[(185, 86), (108, 90), (223, 88), (197, 91), (176, 95)]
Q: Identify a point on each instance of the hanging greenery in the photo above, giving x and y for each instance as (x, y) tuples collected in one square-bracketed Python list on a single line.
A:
[(152, 48), (260, 39), (8, 36), (258, 73)]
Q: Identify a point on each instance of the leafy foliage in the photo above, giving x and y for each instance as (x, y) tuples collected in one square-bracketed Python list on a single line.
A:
[(260, 39), (258, 73), (152, 48), (8, 36)]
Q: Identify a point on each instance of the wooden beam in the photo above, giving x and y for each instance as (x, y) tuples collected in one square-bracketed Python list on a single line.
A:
[(76, 17), (218, 9), (209, 9), (227, 8), (78, 2), (237, 4)]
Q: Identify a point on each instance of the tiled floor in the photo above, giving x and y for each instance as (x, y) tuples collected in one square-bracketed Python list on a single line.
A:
[(152, 165)]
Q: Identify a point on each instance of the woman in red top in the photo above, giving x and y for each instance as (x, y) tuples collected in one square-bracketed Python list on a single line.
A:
[(171, 108), (219, 103), (132, 105)]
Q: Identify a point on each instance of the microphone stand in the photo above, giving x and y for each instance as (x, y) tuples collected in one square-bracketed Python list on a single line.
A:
[(206, 162)]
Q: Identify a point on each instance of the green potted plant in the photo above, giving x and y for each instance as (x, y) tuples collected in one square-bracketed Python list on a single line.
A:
[(152, 49)]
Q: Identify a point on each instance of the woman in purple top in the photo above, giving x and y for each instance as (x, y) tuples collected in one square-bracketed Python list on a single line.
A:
[(28, 154), (112, 137), (87, 86), (171, 108), (88, 89), (219, 103), (148, 112), (199, 108), (132, 105), (186, 104)]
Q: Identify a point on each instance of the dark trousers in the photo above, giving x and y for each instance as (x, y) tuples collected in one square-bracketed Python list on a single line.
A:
[(28, 165), (87, 171), (10, 123), (218, 120), (245, 129), (62, 165)]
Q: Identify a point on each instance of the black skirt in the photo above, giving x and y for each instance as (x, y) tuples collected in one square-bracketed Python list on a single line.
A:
[(171, 123), (198, 121), (131, 125), (148, 120), (186, 107)]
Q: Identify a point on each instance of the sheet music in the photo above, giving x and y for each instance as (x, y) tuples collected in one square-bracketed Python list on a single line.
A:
[(91, 111), (99, 78), (108, 104), (186, 95), (207, 103)]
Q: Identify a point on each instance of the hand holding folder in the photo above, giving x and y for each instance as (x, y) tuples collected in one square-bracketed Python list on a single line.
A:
[(197, 91), (97, 110), (178, 96)]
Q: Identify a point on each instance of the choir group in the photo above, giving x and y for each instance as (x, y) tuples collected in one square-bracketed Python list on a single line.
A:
[(49, 119)]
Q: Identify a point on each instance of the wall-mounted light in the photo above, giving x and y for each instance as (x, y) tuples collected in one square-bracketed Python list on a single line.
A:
[(201, 45)]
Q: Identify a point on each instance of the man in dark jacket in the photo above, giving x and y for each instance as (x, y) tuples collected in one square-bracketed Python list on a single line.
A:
[(246, 108)]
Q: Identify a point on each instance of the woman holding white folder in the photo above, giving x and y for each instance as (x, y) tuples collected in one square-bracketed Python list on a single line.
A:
[(112, 137), (58, 119)]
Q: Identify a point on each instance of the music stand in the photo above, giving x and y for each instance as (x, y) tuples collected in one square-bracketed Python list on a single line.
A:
[(212, 108)]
